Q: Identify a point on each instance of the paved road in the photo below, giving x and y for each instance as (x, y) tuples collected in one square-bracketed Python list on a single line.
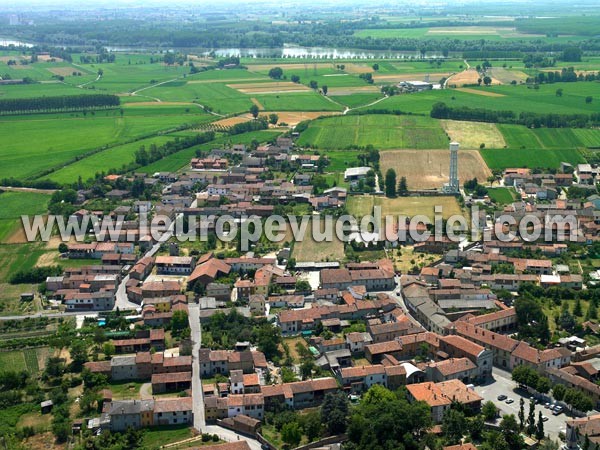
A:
[(198, 400), (502, 384), (121, 300)]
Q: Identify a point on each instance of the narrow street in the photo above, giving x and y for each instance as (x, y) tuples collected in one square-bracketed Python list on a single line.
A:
[(197, 395)]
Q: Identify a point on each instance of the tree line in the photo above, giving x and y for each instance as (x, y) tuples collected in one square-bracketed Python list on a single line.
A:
[(144, 157), (64, 102), (530, 119)]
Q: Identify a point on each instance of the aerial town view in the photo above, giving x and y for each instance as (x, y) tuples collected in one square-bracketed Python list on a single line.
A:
[(338, 225)]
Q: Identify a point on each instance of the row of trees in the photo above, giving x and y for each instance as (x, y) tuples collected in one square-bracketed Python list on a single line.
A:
[(566, 75), (530, 119), (528, 376), (144, 157), (65, 102)]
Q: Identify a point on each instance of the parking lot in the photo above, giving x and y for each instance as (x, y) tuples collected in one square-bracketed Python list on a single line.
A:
[(503, 385)]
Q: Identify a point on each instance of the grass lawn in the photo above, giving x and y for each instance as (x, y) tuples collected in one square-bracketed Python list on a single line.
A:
[(409, 206), (502, 195), (154, 438), (381, 131), (531, 157), (125, 390), (308, 249)]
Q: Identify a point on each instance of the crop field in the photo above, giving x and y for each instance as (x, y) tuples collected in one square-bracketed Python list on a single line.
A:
[(296, 101), (471, 135), (61, 137), (361, 205), (381, 131), (467, 77), (386, 78), (275, 87), (219, 97), (518, 136), (429, 169), (13, 205), (516, 98), (505, 76), (113, 158), (530, 157), (310, 250)]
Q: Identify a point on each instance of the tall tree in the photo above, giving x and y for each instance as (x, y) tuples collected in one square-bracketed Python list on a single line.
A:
[(522, 413), (539, 431), (531, 419), (390, 183), (402, 187), (254, 111)]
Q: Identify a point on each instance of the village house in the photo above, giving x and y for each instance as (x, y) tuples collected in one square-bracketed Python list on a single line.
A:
[(440, 397)]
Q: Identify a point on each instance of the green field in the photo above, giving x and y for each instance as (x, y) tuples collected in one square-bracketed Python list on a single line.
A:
[(502, 195), (297, 101), (28, 359), (532, 158), (113, 158), (14, 204), (362, 205), (40, 142), (517, 98), (518, 136), (381, 131)]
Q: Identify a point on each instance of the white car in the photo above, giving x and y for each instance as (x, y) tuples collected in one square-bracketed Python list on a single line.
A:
[(509, 401)]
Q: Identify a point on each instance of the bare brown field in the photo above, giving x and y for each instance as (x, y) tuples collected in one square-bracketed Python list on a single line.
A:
[(468, 77), (257, 103), (289, 117), (49, 58), (411, 77), (352, 90), (358, 68), (480, 92), (17, 58), (269, 87), (62, 71), (296, 66), (471, 135), (230, 121), (429, 169)]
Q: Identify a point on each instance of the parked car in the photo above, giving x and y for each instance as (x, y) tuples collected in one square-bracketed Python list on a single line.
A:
[(509, 401), (544, 419), (557, 410), (502, 397)]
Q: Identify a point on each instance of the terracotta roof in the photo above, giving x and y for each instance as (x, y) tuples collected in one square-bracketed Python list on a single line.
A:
[(453, 365), (166, 405), (362, 371), (444, 393), (245, 400), (176, 377), (463, 344)]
